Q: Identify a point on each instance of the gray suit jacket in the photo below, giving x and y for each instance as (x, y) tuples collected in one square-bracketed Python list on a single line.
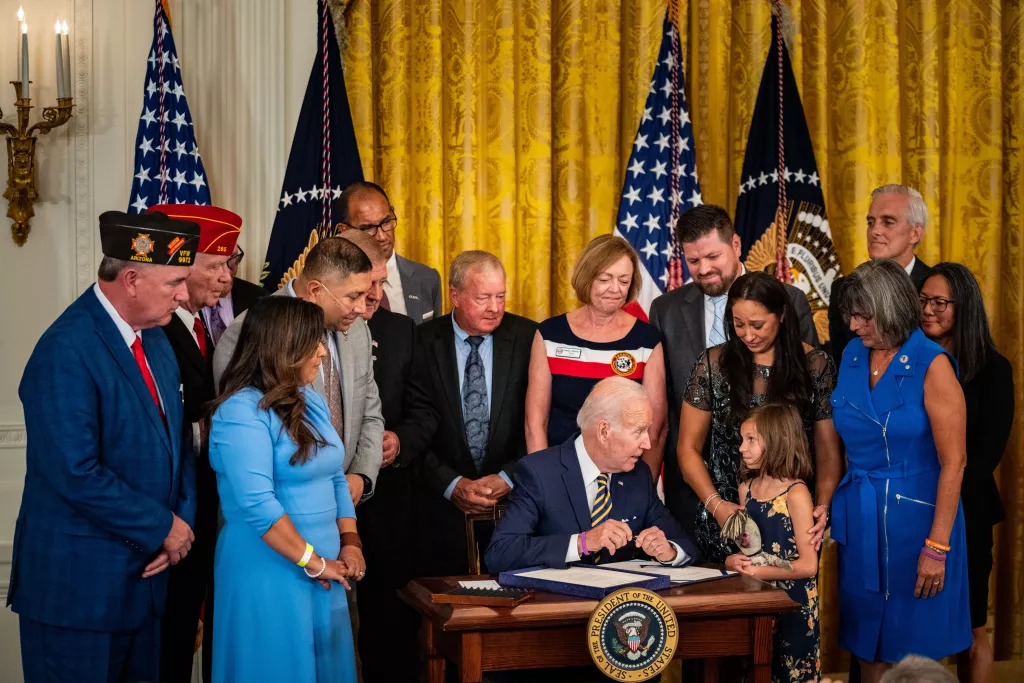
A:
[(421, 286), (363, 424), (678, 316)]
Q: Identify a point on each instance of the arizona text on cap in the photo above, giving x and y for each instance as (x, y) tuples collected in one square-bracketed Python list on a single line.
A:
[(218, 228), (148, 238)]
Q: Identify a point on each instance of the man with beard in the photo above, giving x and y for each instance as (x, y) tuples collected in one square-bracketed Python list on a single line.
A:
[(692, 319)]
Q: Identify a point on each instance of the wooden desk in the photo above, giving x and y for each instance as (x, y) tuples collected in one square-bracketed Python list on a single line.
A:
[(726, 618)]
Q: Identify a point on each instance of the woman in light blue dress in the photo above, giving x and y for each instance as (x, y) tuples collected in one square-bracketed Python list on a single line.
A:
[(282, 614)]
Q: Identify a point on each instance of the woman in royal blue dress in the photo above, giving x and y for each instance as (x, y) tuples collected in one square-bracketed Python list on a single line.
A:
[(289, 535), (896, 514)]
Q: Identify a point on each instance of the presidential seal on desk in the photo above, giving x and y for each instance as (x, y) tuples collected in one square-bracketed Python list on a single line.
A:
[(632, 635)]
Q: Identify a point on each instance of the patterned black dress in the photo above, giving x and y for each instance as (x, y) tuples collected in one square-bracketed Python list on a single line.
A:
[(708, 390), (796, 646)]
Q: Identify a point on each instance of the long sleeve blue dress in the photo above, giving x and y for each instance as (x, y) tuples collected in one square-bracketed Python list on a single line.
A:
[(273, 622)]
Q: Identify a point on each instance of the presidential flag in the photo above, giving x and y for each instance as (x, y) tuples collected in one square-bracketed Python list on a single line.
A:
[(661, 178), (323, 161), (779, 171), (168, 169)]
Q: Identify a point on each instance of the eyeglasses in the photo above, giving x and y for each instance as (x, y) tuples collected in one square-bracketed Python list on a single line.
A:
[(387, 225), (938, 303), (854, 316), (235, 259)]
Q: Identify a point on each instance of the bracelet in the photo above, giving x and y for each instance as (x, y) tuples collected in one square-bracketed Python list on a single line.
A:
[(933, 555), (351, 538), (711, 497), (583, 543), (305, 556), (716, 507), (936, 546), (323, 568)]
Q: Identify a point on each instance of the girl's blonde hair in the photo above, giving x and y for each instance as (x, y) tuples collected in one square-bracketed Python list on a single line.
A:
[(785, 454)]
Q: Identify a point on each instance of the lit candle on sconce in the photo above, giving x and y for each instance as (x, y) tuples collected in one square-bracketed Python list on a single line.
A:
[(60, 61), (17, 44), (67, 59), (24, 61)]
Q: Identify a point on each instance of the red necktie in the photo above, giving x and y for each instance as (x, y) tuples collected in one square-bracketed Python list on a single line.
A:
[(200, 332), (147, 376), (385, 304)]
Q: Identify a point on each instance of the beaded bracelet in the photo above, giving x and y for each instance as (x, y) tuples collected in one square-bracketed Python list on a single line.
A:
[(933, 555), (323, 568), (936, 546)]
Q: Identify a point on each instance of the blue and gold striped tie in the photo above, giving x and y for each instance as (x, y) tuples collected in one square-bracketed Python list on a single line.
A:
[(603, 501)]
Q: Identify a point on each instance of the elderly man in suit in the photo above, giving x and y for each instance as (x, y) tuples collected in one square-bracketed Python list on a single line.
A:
[(468, 396), (411, 288), (336, 277), (235, 299), (591, 497), (191, 581), (386, 520), (896, 222), (691, 319), (109, 494)]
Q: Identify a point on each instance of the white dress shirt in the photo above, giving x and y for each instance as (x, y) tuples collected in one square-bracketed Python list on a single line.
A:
[(127, 333), (393, 287), (590, 475), (709, 313), (910, 266), (189, 318)]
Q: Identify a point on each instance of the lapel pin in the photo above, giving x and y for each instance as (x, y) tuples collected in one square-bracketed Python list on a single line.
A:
[(903, 358), (620, 483)]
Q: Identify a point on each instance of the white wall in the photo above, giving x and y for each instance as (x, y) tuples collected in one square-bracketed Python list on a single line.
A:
[(245, 64)]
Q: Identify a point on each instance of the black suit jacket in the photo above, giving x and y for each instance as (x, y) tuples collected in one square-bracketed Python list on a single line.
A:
[(839, 334), (244, 294), (196, 372), (434, 433), (678, 316), (989, 398)]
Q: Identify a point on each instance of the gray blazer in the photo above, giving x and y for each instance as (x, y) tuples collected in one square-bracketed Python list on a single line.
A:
[(678, 316), (363, 425), (421, 286)]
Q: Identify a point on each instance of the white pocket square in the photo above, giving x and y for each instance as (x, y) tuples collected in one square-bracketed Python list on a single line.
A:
[(428, 315)]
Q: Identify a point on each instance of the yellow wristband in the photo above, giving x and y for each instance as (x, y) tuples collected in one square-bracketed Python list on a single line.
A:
[(305, 557)]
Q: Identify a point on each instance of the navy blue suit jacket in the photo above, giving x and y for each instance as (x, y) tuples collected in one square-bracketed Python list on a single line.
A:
[(103, 475), (549, 504)]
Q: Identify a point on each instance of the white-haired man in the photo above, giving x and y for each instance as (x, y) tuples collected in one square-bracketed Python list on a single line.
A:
[(591, 496), (896, 222)]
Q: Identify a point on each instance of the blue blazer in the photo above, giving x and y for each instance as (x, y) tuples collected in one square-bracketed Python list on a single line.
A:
[(549, 504), (103, 475)]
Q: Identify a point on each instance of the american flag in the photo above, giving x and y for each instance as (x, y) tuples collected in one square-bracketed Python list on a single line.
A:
[(661, 179), (168, 169)]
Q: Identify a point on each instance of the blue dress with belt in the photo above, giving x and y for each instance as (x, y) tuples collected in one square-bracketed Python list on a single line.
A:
[(273, 623), (883, 509)]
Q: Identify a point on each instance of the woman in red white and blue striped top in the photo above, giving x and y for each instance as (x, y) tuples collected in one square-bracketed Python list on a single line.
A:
[(574, 351)]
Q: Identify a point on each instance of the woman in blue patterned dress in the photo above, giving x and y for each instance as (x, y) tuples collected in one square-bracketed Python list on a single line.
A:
[(289, 541), (896, 515), (776, 463)]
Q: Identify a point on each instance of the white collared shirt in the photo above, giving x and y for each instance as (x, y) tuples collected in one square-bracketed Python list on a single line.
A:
[(910, 266), (127, 333), (393, 287), (590, 473), (709, 313), (189, 318)]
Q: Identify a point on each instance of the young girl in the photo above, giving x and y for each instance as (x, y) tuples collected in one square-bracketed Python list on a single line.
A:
[(775, 463)]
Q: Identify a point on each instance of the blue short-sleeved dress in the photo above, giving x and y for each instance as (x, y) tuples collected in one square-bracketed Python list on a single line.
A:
[(273, 622), (883, 509)]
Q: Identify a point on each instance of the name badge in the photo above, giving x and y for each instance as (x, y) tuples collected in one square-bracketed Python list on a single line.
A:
[(568, 352)]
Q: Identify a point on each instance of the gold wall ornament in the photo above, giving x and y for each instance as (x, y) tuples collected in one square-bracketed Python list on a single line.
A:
[(300, 262), (21, 191)]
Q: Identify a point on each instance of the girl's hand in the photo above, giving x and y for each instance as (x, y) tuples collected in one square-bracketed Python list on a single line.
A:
[(738, 563)]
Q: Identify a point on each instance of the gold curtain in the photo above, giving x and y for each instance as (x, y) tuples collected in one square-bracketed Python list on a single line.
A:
[(506, 125)]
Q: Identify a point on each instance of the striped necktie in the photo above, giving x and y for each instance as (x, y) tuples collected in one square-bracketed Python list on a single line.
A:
[(603, 501)]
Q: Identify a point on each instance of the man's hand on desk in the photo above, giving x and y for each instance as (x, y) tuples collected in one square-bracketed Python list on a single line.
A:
[(469, 495), (653, 542), (611, 534)]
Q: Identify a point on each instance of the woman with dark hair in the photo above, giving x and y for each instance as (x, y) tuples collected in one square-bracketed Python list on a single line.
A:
[(289, 528), (896, 513), (763, 360), (953, 316)]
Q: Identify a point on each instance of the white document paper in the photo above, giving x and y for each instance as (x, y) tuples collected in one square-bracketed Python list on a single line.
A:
[(675, 574), (490, 584), (587, 576)]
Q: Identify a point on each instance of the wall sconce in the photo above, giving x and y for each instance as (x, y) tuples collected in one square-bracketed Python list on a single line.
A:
[(21, 138)]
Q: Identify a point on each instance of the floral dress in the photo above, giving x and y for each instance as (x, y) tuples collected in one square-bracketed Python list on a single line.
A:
[(796, 647), (708, 390)]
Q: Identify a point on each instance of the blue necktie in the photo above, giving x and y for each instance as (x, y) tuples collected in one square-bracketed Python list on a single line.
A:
[(717, 335), (475, 412)]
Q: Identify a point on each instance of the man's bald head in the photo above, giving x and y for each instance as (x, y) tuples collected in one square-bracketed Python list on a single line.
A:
[(364, 206), (614, 420)]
